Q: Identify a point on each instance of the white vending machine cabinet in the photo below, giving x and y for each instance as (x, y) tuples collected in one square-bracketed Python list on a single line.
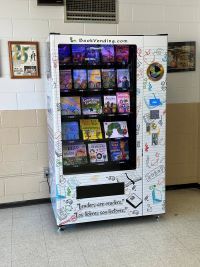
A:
[(106, 98)]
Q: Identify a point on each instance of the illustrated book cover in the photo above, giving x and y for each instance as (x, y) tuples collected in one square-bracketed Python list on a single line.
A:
[(107, 53), (123, 78), (64, 54), (65, 80), (115, 129), (91, 129), (122, 54), (110, 104), (70, 130), (91, 105), (92, 54), (108, 78), (74, 154), (70, 105), (97, 152), (94, 79), (119, 150), (123, 102), (80, 79), (78, 54)]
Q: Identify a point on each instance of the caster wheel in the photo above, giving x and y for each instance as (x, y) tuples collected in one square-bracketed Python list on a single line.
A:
[(158, 218), (61, 229)]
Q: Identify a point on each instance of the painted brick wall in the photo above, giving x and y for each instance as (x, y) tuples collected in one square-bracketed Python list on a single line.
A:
[(23, 139)]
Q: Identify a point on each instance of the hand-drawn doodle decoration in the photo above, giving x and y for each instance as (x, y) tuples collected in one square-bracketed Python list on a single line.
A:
[(155, 173), (155, 71), (146, 148)]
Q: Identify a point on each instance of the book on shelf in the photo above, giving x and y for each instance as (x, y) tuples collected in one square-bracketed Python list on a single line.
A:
[(123, 79), (91, 129), (107, 54), (74, 154), (110, 104), (91, 105), (80, 79), (108, 78), (115, 129), (70, 130), (122, 54), (94, 79), (97, 152), (65, 80), (92, 54), (78, 53), (119, 150), (64, 54), (70, 105), (123, 102)]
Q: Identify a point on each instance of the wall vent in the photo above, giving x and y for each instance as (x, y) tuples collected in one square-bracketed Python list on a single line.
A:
[(101, 11)]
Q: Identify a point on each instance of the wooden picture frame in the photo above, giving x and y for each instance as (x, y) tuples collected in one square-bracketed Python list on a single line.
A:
[(24, 60), (181, 56)]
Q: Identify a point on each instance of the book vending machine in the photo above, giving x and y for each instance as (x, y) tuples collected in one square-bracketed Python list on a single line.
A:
[(106, 100)]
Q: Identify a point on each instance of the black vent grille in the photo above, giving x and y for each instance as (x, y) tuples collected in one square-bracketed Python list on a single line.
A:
[(102, 11)]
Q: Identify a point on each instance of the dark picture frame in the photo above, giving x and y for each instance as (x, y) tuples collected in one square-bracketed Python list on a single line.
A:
[(24, 60), (181, 56)]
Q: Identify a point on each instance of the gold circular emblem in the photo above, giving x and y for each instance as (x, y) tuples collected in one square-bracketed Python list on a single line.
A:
[(155, 71)]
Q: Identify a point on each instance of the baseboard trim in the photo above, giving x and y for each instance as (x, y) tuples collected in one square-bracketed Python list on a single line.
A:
[(182, 186), (24, 203), (47, 200)]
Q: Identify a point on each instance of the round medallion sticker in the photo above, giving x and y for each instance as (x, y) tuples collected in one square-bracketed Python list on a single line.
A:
[(155, 71)]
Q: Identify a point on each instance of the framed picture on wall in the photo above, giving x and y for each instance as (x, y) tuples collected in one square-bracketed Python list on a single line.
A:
[(24, 60), (181, 56)]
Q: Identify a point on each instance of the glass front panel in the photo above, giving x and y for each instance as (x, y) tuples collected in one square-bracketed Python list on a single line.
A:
[(98, 107)]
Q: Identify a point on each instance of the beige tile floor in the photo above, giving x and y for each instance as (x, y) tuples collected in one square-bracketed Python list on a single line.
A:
[(29, 238)]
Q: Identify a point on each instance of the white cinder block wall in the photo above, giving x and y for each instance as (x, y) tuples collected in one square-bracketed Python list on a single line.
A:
[(23, 20)]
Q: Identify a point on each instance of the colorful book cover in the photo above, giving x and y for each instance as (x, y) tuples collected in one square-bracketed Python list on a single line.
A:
[(107, 53), (110, 104), (123, 78), (115, 129), (70, 130), (78, 54), (70, 105), (65, 80), (64, 54), (92, 54), (94, 79), (80, 79), (91, 129), (119, 150), (75, 154), (91, 105), (97, 152), (108, 78), (123, 102), (122, 54)]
